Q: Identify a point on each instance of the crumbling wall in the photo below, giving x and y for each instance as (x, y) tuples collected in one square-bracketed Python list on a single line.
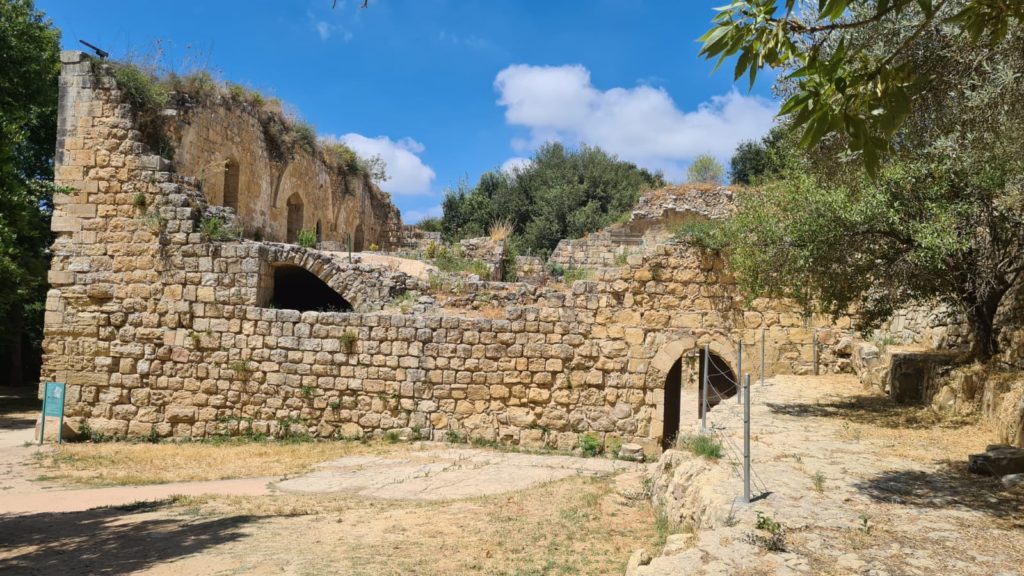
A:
[(157, 330), (218, 136)]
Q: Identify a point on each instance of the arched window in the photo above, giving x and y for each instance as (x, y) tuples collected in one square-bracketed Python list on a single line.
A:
[(231, 184), (295, 217), (296, 288)]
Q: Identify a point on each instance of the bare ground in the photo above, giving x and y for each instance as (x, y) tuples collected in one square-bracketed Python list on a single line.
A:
[(860, 486)]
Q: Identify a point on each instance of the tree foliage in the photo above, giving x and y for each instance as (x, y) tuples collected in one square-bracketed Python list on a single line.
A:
[(862, 91), (943, 218), (705, 170), (29, 46), (756, 159), (560, 193)]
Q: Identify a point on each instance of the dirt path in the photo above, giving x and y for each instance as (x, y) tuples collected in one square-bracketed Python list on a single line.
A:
[(859, 485), (416, 509)]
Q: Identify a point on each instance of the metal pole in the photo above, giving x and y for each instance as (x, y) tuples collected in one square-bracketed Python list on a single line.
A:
[(704, 395), (746, 439), (764, 336), (42, 419), (814, 352), (739, 372)]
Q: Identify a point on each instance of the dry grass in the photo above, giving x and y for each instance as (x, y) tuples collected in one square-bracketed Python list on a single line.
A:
[(573, 526), (121, 464), (501, 229)]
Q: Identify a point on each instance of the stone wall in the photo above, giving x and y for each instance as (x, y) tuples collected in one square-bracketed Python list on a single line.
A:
[(933, 325), (223, 144), (158, 330), (597, 250)]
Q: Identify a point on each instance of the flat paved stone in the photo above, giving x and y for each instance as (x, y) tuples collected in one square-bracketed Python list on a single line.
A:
[(446, 474)]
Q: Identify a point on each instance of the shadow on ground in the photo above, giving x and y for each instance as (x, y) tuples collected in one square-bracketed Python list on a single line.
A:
[(117, 540), (949, 486), (874, 410)]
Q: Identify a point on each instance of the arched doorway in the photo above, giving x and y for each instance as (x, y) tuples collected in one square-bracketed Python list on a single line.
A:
[(319, 232), (231, 184), (673, 399), (296, 288), (295, 217), (721, 382)]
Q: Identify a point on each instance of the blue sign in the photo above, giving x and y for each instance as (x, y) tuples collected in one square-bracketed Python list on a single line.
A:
[(53, 406)]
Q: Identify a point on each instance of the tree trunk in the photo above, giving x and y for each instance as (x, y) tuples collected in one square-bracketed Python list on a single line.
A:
[(981, 317)]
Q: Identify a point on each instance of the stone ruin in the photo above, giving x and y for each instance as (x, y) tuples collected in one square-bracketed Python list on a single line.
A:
[(161, 331)]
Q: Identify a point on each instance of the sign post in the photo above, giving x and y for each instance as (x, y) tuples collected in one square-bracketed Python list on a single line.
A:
[(53, 405)]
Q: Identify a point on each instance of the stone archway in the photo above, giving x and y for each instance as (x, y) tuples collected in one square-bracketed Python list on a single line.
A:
[(675, 375), (722, 382)]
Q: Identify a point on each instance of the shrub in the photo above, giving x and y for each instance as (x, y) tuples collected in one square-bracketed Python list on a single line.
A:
[(510, 265), (590, 444), (216, 229), (701, 445), (501, 229), (304, 136), (572, 274), (139, 201), (348, 341), (307, 238)]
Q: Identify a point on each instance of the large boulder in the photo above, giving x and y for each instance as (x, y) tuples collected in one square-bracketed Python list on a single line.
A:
[(997, 460)]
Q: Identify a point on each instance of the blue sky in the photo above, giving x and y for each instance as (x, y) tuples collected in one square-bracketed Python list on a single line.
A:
[(447, 89)]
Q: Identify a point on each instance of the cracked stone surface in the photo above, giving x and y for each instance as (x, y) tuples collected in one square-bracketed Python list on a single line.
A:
[(446, 474)]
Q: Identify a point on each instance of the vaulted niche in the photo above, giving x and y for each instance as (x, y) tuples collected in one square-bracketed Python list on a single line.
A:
[(295, 217), (296, 288), (231, 184)]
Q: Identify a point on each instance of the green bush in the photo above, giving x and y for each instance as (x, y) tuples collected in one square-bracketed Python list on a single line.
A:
[(307, 238), (217, 230), (590, 444), (572, 274), (701, 445), (348, 341)]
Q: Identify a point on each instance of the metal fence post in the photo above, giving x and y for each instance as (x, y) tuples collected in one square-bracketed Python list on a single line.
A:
[(814, 352), (746, 439), (704, 395), (739, 372)]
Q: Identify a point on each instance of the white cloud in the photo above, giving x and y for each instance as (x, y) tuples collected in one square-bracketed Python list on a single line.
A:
[(407, 174), (514, 164), (640, 124), (474, 42), (324, 29), (417, 216)]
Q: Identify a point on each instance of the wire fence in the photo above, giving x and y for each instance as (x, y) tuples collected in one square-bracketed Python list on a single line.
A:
[(720, 424)]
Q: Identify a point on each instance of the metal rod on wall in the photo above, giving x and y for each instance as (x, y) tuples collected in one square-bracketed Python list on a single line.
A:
[(704, 394)]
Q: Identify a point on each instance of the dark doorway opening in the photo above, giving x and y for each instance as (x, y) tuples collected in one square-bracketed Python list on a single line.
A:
[(721, 382), (673, 389), (295, 216), (296, 288), (357, 239), (231, 184), (319, 232)]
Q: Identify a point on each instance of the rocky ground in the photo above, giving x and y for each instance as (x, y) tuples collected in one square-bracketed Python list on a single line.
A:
[(855, 485)]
